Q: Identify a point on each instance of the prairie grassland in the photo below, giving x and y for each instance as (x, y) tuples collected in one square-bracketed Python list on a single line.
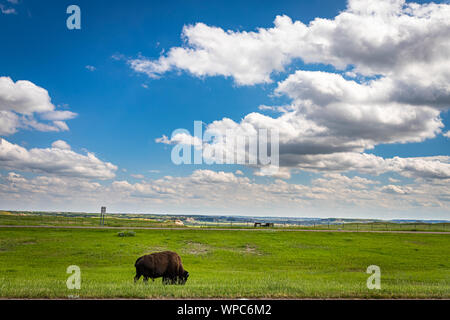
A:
[(225, 264), (112, 220)]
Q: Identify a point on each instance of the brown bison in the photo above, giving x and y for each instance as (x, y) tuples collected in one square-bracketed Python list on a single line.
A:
[(166, 264)]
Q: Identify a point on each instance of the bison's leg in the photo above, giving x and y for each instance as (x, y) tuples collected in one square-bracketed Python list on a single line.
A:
[(145, 279), (136, 278), (171, 280)]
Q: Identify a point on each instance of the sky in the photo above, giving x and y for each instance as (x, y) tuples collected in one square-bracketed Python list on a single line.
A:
[(358, 92)]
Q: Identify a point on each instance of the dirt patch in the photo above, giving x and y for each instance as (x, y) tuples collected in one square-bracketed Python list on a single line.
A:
[(6, 245), (249, 249), (196, 248)]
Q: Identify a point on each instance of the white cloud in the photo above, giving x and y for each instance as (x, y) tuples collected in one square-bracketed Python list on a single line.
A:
[(23, 97), (386, 37), (61, 125), (90, 68), (58, 160), (336, 180), (395, 189), (6, 10), (19, 103), (398, 52), (307, 146), (58, 115), (164, 139), (367, 112), (425, 167), (138, 176), (447, 134), (206, 191), (61, 144), (180, 138), (208, 176), (275, 172), (9, 121), (393, 180)]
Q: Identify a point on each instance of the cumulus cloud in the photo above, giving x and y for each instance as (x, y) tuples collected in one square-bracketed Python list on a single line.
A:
[(9, 121), (58, 115), (307, 146), (207, 191), (366, 111), (395, 189), (59, 160), (275, 172), (385, 38), (424, 167), (209, 177), (180, 138), (61, 144), (23, 97), (396, 53), (21, 101)]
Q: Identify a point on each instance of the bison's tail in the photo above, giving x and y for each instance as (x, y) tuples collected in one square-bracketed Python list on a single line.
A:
[(135, 264)]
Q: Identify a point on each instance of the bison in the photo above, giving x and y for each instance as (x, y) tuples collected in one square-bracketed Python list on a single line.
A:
[(166, 264)]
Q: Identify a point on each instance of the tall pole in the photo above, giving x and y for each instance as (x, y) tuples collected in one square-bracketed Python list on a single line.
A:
[(102, 215)]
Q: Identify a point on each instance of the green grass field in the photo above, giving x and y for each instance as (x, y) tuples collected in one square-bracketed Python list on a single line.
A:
[(225, 264)]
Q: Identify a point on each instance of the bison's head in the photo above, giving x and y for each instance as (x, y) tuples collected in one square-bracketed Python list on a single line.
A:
[(183, 278)]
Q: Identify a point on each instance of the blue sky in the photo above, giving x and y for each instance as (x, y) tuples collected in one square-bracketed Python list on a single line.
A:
[(111, 101), (120, 110)]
